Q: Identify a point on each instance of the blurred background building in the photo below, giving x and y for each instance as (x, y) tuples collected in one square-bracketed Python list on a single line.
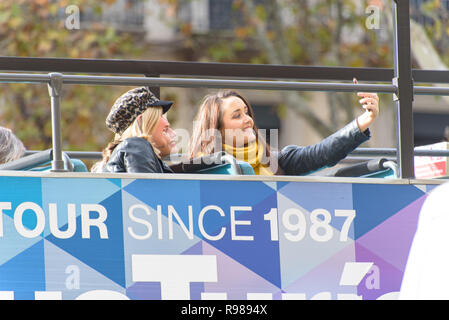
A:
[(300, 32)]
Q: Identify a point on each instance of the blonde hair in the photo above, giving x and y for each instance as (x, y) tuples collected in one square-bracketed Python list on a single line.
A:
[(142, 127), (11, 148)]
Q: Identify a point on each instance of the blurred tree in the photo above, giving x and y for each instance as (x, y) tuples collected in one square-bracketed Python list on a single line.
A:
[(301, 32), (37, 29), (429, 37), (296, 32)]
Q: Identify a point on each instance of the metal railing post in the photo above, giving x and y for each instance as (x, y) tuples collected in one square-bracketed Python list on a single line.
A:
[(155, 89), (403, 79), (54, 90)]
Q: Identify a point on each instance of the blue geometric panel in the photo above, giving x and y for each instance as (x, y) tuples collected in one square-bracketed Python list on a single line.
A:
[(233, 274), (325, 277), (94, 251), (72, 277), (67, 190), (375, 203), (20, 189), (238, 194), (225, 194), (246, 252), (25, 273), (380, 233), (74, 191), (13, 243), (196, 288), (301, 251), (71, 190), (177, 193), (141, 234), (310, 196), (117, 182)]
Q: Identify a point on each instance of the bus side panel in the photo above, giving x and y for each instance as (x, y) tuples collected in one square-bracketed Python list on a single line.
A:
[(76, 238)]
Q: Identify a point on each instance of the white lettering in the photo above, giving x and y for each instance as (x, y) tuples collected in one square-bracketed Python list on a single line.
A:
[(235, 222), (141, 221), (26, 213), (389, 296), (214, 296), (6, 295), (299, 227), (73, 280), (175, 285), (373, 279), (354, 272), (373, 20), (272, 216), (102, 295), (195, 268), (18, 220), (259, 296), (350, 216), (3, 206), (201, 226), (71, 221), (348, 296), (322, 296), (193, 310), (172, 212), (73, 20), (293, 296), (87, 222), (47, 295), (159, 222)]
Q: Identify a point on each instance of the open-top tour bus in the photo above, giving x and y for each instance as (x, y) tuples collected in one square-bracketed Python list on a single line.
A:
[(213, 233)]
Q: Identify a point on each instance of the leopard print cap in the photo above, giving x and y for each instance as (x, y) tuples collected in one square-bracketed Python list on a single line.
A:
[(130, 105)]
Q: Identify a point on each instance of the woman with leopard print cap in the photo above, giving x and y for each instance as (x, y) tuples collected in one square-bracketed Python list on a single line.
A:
[(142, 134)]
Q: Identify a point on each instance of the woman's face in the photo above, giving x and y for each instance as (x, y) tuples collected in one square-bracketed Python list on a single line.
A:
[(164, 138), (238, 126)]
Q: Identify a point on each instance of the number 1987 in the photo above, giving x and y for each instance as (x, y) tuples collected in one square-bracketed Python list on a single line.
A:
[(295, 224)]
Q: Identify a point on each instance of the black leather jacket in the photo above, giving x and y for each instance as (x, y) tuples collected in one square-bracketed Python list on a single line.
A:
[(294, 160), (135, 155)]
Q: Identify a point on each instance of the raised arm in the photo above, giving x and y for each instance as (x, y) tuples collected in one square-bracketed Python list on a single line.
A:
[(369, 102)]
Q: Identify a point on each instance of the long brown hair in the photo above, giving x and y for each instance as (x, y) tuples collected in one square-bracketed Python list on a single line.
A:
[(209, 120)]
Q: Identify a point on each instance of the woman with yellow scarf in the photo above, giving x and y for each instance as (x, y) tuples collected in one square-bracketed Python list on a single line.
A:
[(225, 122)]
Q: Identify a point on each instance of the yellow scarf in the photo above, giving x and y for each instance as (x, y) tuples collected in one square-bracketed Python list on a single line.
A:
[(252, 153)]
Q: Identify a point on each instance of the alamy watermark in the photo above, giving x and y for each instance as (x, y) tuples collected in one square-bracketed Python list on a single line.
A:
[(372, 22), (72, 21), (233, 138)]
